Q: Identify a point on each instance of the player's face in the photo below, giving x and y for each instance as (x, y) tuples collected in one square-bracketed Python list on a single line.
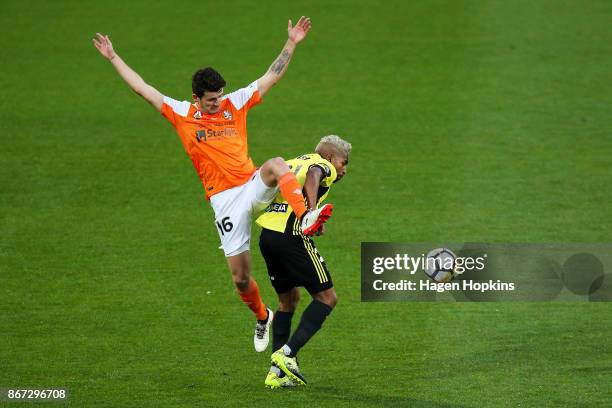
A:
[(210, 101), (340, 162)]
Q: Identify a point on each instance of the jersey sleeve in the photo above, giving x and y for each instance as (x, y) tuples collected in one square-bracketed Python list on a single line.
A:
[(245, 97), (174, 110), (329, 172)]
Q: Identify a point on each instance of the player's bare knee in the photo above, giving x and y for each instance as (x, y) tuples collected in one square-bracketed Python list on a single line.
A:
[(279, 166), (241, 278), (295, 299), (288, 306), (331, 300), (241, 284), (272, 170), (279, 162), (328, 297), (287, 302)]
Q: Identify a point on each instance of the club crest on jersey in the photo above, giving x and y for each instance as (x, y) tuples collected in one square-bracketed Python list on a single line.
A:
[(197, 115), (227, 115)]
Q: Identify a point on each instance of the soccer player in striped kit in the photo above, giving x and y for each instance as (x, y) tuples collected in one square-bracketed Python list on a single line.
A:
[(293, 261)]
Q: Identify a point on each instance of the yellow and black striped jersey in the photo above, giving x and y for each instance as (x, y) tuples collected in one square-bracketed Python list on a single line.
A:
[(279, 215)]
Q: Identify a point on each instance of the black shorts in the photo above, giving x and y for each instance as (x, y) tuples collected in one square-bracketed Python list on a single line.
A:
[(293, 261)]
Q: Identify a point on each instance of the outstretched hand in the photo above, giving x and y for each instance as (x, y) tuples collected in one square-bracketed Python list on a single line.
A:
[(299, 32), (104, 45)]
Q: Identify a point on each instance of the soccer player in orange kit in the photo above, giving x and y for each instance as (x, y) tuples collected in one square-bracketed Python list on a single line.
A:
[(213, 131)]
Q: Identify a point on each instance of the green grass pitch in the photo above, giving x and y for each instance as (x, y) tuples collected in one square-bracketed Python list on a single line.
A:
[(470, 120)]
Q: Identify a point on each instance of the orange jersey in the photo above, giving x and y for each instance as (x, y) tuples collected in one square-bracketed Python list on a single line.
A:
[(216, 144)]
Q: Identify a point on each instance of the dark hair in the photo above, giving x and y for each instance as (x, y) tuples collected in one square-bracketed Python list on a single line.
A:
[(206, 79)]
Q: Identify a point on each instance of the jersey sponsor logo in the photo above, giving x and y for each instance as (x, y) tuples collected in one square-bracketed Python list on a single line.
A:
[(277, 207), (227, 115), (224, 133), (201, 135), (211, 134), (197, 115)]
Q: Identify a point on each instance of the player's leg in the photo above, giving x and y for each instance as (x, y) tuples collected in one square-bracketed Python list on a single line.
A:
[(285, 358), (233, 222), (273, 246), (240, 267), (276, 172), (281, 327), (317, 281), (328, 296), (308, 268), (288, 301), (312, 320), (248, 290)]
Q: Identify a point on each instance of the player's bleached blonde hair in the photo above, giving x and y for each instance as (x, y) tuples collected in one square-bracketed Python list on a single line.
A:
[(333, 144)]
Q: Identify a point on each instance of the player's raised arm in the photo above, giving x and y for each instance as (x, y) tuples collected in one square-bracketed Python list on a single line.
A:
[(279, 66), (311, 186), (135, 81), (311, 189)]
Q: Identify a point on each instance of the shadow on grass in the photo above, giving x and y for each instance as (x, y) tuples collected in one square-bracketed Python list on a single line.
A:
[(333, 396)]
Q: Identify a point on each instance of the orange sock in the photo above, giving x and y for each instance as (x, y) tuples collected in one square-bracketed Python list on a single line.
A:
[(253, 300), (292, 191)]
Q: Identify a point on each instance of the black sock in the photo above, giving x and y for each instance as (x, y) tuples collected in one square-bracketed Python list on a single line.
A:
[(281, 328), (312, 320), (266, 320)]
